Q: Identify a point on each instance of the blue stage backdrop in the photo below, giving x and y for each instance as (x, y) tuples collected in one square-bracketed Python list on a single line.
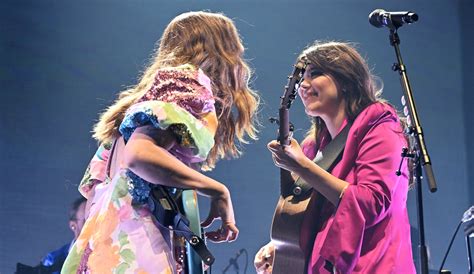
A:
[(62, 62)]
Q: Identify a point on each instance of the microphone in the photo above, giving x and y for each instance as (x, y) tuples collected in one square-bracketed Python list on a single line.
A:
[(391, 19)]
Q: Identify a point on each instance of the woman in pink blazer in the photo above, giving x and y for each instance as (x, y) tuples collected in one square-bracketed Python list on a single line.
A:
[(365, 227)]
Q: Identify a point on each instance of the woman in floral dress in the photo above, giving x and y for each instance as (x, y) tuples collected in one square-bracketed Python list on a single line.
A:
[(188, 110)]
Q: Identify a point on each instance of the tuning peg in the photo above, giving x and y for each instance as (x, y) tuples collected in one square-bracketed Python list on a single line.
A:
[(274, 120), (292, 127)]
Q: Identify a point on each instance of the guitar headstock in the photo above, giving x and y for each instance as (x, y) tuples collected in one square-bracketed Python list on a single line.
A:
[(294, 80), (291, 90)]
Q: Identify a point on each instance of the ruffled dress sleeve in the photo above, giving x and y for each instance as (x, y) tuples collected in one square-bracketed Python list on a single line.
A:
[(178, 100), (96, 170)]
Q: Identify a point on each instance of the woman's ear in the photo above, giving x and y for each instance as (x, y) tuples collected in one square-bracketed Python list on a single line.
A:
[(73, 226)]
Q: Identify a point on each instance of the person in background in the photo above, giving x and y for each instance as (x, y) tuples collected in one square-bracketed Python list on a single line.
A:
[(54, 260), (76, 221)]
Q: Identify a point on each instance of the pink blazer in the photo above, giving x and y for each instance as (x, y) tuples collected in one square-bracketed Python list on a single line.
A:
[(369, 232)]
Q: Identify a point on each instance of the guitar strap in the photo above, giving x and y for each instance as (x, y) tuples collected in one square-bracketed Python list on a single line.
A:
[(166, 212), (326, 159)]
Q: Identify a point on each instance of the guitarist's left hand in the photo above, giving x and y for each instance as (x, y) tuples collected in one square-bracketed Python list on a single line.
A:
[(289, 157), (221, 208)]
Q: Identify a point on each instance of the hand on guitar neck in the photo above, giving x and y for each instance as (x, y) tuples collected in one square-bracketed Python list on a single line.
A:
[(289, 157), (221, 208), (263, 261)]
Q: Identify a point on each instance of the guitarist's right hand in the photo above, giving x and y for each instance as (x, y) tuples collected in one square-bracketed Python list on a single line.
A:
[(221, 208), (264, 259)]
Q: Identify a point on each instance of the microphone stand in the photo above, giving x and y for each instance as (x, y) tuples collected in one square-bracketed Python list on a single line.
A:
[(233, 262), (469, 255), (421, 157)]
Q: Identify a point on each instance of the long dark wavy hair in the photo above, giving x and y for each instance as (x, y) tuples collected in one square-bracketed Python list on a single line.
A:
[(351, 74)]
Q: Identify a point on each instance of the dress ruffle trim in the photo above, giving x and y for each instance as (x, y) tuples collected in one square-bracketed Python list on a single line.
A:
[(190, 131)]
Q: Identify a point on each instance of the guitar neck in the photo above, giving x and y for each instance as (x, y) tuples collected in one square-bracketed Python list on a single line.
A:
[(191, 211), (284, 126)]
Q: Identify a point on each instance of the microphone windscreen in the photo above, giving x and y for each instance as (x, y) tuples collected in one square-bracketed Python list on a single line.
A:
[(374, 18)]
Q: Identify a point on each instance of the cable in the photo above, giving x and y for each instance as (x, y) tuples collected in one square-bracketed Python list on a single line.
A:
[(246, 259), (233, 261), (449, 247)]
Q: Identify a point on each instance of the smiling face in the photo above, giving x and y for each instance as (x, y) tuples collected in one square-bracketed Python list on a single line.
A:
[(320, 95)]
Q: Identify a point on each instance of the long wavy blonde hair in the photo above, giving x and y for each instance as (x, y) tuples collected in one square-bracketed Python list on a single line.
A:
[(209, 41)]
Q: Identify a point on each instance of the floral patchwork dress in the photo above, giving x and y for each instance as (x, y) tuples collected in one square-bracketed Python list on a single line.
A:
[(120, 234)]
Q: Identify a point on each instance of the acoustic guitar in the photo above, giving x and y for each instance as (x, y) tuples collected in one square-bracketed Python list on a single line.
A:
[(290, 252), (297, 214)]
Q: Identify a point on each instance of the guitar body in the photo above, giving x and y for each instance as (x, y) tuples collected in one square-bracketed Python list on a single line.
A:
[(290, 256), (293, 228)]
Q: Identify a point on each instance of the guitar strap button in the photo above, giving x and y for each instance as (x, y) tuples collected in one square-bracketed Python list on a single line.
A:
[(297, 190), (194, 240)]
